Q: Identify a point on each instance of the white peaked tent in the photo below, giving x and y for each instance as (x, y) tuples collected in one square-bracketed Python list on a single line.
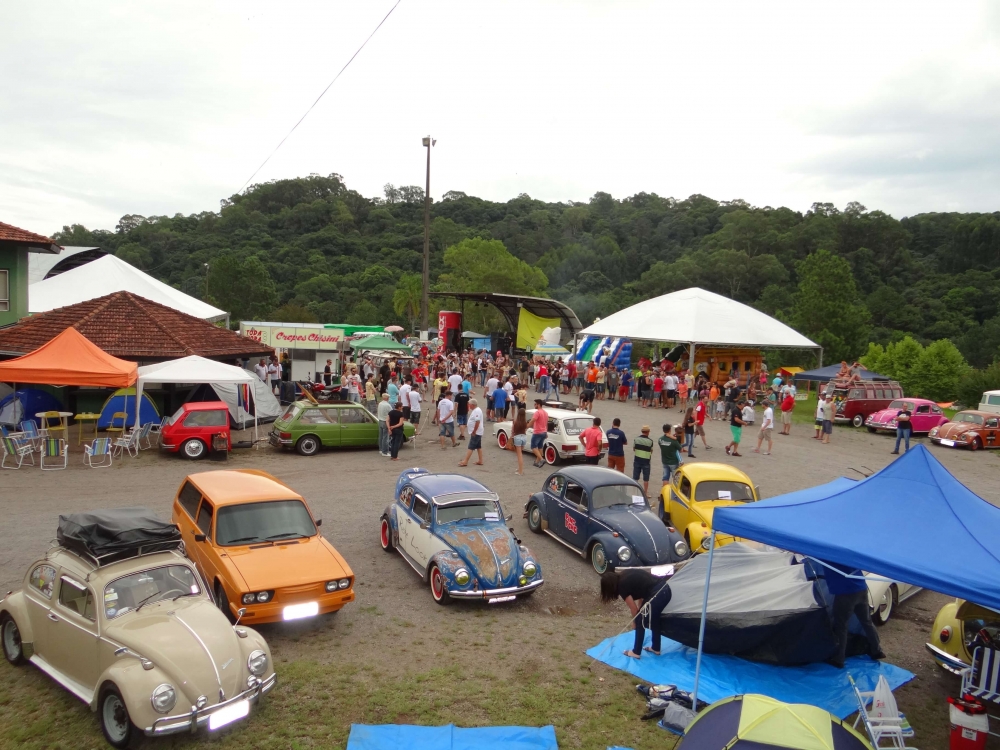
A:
[(108, 275), (697, 317), (195, 369)]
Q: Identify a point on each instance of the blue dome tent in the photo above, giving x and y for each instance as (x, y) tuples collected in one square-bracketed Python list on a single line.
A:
[(124, 400), (24, 404)]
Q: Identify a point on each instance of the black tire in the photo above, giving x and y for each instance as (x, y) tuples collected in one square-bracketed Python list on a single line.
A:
[(881, 615), (598, 558), (439, 588), (116, 724), (872, 429), (308, 445), (976, 444), (858, 420), (385, 535), (222, 602), (194, 449), (534, 518), (11, 636)]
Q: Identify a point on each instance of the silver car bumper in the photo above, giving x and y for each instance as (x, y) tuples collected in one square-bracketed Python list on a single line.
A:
[(491, 593), (197, 718)]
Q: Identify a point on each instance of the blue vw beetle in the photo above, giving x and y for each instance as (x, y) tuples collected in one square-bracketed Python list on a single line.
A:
[(452, 530), (603, 515)]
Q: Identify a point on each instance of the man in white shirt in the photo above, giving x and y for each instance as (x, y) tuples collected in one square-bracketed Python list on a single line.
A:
[(384, 407), (455, 381), (415, 398), (261, 369), (670, 389), (404, 398), (749, 415), (273, 374), (446, 418), (766, 425), (475, 434), (354, 385)]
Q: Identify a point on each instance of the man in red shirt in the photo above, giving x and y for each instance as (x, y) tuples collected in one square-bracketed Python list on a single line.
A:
[(571, 367), (699, 418), (593, 440), (787, 407)]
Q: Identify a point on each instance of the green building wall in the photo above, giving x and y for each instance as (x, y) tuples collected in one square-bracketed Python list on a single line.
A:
[(15, 262)]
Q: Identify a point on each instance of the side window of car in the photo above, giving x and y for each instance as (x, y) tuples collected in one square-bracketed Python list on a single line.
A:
[(992, 423), (421, 508), (76, 597), (575, 493), (215, 418), (353, 416), (43, 580), (857, 393), (924, 409), (205, 517), (405, 496), (312, 416), (685, 487), (188, 497), (331, 415), (553, 425), (556, 484)]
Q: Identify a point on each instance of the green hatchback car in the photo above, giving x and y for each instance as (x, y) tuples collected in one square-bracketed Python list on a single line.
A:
[(307, 427)]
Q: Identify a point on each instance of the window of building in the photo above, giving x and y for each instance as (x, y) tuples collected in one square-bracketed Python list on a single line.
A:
[(4, 290)]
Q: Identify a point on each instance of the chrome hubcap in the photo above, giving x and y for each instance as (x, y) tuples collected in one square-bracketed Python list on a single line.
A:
[(535, 515), (193, 448), (600, 562)]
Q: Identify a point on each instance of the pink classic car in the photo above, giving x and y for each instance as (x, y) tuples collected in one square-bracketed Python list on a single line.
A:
[(925, 415)]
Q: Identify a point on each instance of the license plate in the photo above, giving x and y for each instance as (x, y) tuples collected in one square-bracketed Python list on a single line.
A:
[(498, 599), (948, 442), (229, 714), (298, 611)]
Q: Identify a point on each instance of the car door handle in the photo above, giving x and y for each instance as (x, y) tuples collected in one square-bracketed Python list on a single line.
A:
[(53, 617), (409, 521)]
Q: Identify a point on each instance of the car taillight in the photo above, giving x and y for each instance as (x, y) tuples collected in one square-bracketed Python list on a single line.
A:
[(569, 447), (285, 435), (946, 634)]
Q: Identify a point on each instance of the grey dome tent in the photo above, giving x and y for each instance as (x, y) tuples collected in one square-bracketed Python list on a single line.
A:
[(264, 402)]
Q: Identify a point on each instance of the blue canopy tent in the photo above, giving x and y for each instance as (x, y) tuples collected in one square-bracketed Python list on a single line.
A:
[(916, 499), (826, 374)]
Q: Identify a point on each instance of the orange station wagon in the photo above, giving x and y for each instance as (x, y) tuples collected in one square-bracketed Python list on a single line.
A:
[(258, 546)]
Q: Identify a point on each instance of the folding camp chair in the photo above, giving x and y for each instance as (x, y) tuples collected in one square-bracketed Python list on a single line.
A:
[(32, 434), (58, 427), (117, 423), (16, 450), (56, 453), (5, 431), (98, 453), (155, 428), (144, 433), (127, 442), (883, 721), (982, 679)]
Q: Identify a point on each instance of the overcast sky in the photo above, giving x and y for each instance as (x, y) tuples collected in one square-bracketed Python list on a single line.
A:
[(114, 108)]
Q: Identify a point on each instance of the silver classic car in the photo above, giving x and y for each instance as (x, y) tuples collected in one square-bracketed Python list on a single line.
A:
[(120, 618)]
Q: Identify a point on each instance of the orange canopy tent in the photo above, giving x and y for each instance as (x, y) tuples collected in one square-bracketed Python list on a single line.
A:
[(70, 359)]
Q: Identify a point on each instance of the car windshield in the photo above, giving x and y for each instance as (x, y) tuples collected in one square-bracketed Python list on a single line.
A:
[(576, 426), (738, 491), (479, 510), (128, 593), (291, 412), (617, 494), (967, 417), (262, 522), (901, 405)]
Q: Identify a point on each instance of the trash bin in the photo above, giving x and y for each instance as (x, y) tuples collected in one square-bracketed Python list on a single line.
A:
[(220, 447), (968, 731)]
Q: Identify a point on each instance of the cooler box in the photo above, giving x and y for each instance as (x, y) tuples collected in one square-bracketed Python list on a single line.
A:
[(968, 731)]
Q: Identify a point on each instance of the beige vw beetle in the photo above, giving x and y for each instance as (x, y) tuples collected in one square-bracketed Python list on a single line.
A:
[(119, 617)]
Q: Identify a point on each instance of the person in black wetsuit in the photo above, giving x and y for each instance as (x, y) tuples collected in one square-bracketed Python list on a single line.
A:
[(636, 587)]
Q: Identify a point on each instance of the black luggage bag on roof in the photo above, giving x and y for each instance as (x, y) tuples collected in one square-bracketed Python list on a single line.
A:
[(110, 535)]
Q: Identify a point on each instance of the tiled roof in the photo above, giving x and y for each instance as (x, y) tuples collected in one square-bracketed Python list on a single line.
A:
[(131, 327), (15, 234)]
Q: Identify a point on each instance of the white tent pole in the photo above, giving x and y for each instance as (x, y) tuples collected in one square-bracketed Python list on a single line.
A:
[(701, 627), (691, 359), (138, 395)]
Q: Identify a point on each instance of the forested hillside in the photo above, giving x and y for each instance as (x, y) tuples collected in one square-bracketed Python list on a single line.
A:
[(311, 249)]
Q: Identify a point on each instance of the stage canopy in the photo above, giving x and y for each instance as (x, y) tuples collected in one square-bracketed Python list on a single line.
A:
[(510, 306), (902, 522), (69, 359), (825, 374), (700, 317)]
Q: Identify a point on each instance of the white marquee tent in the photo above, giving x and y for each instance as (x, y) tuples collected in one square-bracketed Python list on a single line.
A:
[(697, 317), (108, 275), (195, 369)]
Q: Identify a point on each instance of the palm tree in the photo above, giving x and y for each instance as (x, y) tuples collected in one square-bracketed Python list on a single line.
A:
[(408, 296)]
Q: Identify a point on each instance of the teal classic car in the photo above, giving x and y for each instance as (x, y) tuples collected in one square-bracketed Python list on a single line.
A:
[(307, 427)]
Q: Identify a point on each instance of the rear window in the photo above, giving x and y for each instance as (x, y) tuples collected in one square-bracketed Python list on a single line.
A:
[(290, 412), (576, 426), (213, 418)]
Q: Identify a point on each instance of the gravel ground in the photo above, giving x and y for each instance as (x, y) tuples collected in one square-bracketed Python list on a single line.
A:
[(349, 490)]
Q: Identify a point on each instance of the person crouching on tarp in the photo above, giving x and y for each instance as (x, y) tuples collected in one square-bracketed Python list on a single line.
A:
[(636, 587)]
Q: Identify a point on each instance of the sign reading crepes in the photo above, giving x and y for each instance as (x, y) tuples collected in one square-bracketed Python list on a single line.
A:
[(287, 337)]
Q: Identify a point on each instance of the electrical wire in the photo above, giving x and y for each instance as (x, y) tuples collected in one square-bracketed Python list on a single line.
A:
[(356, 53)]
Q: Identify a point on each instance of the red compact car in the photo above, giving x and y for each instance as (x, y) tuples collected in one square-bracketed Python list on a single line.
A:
[(191, 428)]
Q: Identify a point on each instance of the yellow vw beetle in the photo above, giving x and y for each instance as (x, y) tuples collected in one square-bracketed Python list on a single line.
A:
[(694, 493), (956, 632)]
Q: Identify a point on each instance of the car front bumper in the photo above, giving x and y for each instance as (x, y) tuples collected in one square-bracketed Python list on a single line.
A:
[(274, 610), (496, 593), (197, 718)]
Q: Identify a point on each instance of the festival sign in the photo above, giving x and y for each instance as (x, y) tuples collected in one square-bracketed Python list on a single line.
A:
[(294, 337)]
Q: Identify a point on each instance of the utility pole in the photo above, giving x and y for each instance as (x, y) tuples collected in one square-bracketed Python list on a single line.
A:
[(428, 142)]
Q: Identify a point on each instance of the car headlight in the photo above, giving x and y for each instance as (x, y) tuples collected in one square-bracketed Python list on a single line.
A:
[(163, 698), (462, 577), (530, 569), (965, 438), (343, 583), (331, 586), (681, 548), (624, 553), (705, 542), (257, 663), (934, 432), (257, 596)]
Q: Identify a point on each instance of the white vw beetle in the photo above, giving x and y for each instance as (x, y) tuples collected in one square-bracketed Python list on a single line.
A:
[(120, 618), (563, 439)]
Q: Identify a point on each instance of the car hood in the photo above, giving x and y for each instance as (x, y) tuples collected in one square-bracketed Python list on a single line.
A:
[(705, 510), (643, 530), (952, 430), (884, 416), (488, 548), (290, 564), (191, 641)]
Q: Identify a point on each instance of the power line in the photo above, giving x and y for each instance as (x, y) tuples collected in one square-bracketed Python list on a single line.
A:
[(321, 95)]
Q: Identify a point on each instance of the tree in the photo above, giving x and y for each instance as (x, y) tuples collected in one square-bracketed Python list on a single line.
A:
[(899, 360), (407, 298), (363, 314), (974, 383), (828, 308), (241, 286), (478, 265), (293, 313), (939, 370)]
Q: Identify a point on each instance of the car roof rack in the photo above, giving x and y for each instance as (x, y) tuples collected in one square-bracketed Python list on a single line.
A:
[(110, 536)]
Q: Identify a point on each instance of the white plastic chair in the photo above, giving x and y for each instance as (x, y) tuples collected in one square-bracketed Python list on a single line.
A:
[(144, 436), (882, 721), (97, 455), (16, 450), (55, 454), (127, 442), (982, 679)]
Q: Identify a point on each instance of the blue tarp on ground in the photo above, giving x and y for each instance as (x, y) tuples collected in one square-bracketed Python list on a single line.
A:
[(721, 676), (886, 524), (450, 737)]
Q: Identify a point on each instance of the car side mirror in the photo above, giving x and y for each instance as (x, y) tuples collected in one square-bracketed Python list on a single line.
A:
[(582, 507), (319, 522), (199, 537)]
